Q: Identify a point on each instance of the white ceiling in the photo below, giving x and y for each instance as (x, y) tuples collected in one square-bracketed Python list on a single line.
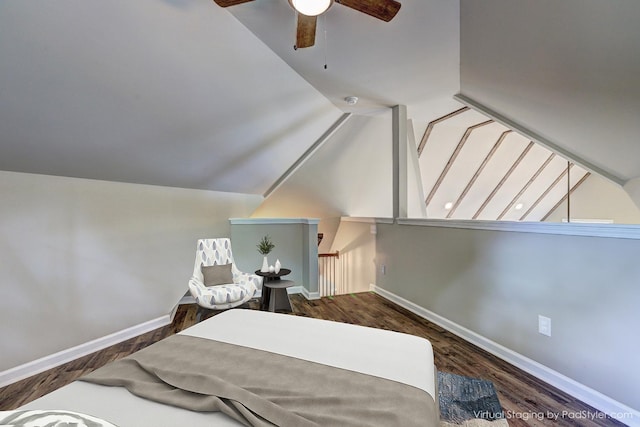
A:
[(181, 93), (173, 93), (567, 70), (184, 93), (412, 60)]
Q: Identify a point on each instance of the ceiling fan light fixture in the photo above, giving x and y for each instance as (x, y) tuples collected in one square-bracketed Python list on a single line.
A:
[(311, 7)]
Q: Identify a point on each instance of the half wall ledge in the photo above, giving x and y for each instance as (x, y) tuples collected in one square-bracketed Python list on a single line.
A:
[(612, 231)]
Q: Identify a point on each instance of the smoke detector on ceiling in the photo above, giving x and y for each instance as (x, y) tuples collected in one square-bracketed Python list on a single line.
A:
[(351, 100)]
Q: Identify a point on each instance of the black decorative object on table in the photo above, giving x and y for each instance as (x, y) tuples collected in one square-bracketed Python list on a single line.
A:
[(266, 291)]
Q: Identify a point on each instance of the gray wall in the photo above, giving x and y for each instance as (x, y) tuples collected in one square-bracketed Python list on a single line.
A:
[(296, 247), (496, 283), (81, 259)]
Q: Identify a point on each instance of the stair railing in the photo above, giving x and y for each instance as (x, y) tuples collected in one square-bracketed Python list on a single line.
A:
[(329, 274)]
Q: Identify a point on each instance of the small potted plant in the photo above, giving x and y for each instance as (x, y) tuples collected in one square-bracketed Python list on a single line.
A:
[(264, 247)]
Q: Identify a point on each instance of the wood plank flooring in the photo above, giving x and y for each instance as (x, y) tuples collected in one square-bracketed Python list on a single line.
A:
[(525, 399)]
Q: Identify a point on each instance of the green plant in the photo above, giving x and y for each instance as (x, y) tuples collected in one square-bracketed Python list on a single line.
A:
[(266, 245)]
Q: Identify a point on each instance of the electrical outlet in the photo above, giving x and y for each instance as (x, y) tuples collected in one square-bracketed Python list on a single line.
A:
[(544, 325), (384, 270)]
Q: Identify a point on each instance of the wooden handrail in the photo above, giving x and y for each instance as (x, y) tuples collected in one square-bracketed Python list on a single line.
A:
[(335, 254), (430, 126)]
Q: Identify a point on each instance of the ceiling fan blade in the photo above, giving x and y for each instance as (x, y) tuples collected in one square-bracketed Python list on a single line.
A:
[(381, 9), (306, 31), (227, 3)]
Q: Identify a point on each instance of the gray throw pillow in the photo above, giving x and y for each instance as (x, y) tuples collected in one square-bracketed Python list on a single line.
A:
[(217, 274)]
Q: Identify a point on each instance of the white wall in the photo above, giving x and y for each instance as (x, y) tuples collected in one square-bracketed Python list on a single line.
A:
[(632, 187), (350, 175), (599, 199), (356, 241), (81, 259), (496, 283)]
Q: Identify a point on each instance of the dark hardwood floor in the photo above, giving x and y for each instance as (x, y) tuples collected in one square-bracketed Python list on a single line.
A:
[(526, 400)]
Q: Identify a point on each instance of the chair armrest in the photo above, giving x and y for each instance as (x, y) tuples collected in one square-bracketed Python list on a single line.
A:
[(195, 282), (243, 278), (198, 290)]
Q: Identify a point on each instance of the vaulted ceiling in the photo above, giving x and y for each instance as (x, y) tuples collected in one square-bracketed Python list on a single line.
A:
[(184, 93), (475, 168), (164, 92), (568, 72), (187, 94)]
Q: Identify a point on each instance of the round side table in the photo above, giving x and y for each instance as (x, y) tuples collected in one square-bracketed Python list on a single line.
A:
[(274, 278), (279, 297)]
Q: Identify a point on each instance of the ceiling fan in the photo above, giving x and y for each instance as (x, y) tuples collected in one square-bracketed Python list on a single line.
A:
[(308, 11)]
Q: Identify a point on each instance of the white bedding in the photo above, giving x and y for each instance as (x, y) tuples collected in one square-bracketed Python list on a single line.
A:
[(399, 357)]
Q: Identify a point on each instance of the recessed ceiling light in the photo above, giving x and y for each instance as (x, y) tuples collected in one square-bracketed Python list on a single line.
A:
[(518, 206), (448, 205)]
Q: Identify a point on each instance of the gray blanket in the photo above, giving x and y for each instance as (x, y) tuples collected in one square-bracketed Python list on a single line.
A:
[(260, 388)]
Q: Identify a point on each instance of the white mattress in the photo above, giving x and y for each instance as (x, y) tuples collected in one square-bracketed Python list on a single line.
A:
[(391, 355)]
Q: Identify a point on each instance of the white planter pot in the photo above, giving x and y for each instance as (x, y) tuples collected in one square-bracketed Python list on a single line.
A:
[(265, 265)]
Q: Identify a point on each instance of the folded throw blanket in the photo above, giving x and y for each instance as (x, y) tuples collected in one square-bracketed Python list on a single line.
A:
[(259, 388)]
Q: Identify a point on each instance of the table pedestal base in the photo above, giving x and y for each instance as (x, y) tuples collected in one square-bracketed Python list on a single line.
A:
[(275, 296), (279, 300)]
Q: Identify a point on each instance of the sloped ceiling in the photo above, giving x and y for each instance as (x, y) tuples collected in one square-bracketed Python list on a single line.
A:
[(412, 60), (165, 92), (568, 70), (474, 168), (184, 93), (349, 175)]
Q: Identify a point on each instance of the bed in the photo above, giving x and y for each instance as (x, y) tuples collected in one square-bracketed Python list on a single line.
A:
[(393, 359)]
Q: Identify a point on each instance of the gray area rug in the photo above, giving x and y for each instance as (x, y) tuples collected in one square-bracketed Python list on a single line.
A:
[(463, 400)]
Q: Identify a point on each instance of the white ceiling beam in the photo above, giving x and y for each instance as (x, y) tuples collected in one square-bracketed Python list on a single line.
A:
[(307, 154), (399, 130), (534, 136)]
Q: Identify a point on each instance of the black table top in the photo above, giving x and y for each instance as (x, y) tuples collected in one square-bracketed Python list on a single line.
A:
[(282, 272)]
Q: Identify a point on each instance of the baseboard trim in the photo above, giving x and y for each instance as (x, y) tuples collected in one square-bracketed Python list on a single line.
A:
[(295, 290), (310, 295), (187, 299), (591, 397), (21, 372)]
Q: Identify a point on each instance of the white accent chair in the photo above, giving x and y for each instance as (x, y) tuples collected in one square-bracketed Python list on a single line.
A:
[(211, 252)]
